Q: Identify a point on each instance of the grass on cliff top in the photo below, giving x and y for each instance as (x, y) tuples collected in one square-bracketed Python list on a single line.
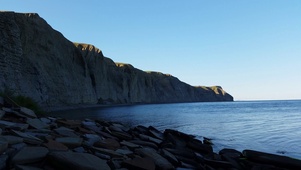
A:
[(19, 100)]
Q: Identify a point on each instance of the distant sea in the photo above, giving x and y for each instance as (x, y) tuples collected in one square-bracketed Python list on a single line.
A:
[(268, 126)]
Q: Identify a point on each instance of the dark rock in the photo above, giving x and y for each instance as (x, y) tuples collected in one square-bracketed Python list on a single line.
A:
[(12, 139), (115, 163), (122, 135), (150, 139), (79, 150), (199, 147), (155, 133), (130, 145), (109, 152), (27, 112), (170, 157), (28, 138), (55, 146), (63, 131), (3, 161), (182, 152), (2, 113), (218, 164), (108, 144), (144, 143), (140, 163), (71, 142), (37, 123), (76, 161), (30, 155), (230, 153), (160, 161), (23, 167), (1, 101), (3, 144), (277, 160), (179, 134)]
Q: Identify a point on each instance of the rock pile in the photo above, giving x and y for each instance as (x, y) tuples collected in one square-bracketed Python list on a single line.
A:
[(31, 142)]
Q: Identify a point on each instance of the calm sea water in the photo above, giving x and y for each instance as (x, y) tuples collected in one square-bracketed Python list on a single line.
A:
[(269, 126)]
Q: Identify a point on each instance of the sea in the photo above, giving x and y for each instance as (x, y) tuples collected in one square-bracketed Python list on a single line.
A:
[(270, 126)]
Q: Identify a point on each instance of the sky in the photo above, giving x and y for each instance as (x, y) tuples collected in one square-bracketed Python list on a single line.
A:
[(252, 48)]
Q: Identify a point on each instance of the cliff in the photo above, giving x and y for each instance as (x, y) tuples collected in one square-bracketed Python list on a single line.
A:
[(39, 62)]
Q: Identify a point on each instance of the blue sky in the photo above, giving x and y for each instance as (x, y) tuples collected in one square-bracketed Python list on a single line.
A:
[(250, 48)]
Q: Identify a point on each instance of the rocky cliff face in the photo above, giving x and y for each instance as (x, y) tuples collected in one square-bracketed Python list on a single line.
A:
[(39, 62)]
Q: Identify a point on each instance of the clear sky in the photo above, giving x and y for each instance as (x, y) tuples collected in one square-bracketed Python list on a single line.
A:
[(252, 48)]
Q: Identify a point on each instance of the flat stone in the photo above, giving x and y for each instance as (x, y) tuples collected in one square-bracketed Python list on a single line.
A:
[(37, 123), (277, 160), (23, 167), (109, 152), (55, 146), (160, 161), (130, 145), (45, 120), (2, 113), (63, 131), (12, 139), (91, 139), (76, 161), (79, 149), (150, 139), (69, 123), (182, 152), (170, 157), (27, 112), (155, 133), (3, 144), (230, 153), (144, 143), (140, 163), (124, 151), (122, 135), (72, 142), (30, 155), (3, 161), (1, 101), (13, 125), (198, 146), (18, 146), (28, 138), (108, 144)]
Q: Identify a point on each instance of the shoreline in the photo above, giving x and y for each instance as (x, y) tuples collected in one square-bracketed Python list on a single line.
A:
[(56, 143)]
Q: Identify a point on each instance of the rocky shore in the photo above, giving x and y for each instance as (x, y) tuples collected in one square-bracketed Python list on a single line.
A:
[(28, 141)]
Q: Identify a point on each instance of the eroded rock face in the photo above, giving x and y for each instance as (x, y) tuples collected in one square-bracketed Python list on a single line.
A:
[(39, 62)]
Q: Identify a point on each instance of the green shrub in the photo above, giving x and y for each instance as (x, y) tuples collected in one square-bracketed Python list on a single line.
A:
[(19, 100)]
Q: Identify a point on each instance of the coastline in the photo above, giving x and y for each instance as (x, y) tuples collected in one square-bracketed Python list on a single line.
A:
[(56, 143)]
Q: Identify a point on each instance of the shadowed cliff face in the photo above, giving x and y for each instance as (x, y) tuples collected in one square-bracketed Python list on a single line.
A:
[(39, 62)]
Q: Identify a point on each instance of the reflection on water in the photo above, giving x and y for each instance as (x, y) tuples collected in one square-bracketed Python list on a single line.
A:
[(269, 126)]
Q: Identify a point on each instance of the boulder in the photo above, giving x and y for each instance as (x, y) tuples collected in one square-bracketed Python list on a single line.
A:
[(76, 161)]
